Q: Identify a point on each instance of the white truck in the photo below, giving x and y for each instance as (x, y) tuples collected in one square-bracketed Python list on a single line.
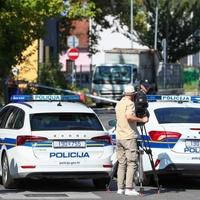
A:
[(109, 80), (129, 66)]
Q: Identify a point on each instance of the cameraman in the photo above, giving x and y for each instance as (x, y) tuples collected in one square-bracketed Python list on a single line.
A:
[(143, 86), (126, 142)]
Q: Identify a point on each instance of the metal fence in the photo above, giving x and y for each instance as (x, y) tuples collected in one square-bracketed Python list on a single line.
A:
[(81, 77), (170, 76)]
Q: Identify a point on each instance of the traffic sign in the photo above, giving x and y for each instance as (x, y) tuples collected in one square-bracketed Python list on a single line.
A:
[(73, 53), (72, 41)]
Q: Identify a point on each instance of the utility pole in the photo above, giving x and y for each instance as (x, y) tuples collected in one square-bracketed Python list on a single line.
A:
[(131, 16), (156, 27)]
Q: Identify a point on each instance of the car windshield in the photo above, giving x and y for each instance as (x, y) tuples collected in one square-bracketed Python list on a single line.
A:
[(65, 121), (112, 75), (177, 115)]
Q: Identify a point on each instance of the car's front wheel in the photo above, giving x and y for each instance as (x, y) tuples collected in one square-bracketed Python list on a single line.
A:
[(7, 180)]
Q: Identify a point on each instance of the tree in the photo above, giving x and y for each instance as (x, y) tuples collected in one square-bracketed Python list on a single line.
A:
[(178, 22), (21, 22), (88, 9)]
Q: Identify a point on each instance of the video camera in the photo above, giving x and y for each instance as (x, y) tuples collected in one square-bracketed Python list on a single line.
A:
[(141, 104)]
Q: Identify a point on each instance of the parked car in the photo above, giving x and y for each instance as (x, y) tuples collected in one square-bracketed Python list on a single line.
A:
[(52, 136), (172, 134)]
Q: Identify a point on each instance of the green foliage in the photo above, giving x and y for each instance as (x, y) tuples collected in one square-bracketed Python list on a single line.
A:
[(81, 9), (191, 79), (50, 75), (178, 22), (190, 75), (21, 22), (192, 88)]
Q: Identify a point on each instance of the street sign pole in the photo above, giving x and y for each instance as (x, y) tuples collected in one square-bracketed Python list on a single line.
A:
[(73, 74), (73, 54), (164, 46)]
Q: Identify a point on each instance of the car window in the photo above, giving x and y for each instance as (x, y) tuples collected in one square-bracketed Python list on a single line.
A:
[(3, 116), (11, 117), (19, 119), (65, 121), (177, 115)]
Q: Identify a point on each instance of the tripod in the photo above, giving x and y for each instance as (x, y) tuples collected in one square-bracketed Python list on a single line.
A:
[(147, 149)]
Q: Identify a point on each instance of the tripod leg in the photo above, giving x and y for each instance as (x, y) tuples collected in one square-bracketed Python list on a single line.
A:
[(115, 167), (154, 172), (140, 169), (149, 152)]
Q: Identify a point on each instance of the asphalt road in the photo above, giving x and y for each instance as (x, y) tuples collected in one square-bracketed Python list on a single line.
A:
[(172, 189)]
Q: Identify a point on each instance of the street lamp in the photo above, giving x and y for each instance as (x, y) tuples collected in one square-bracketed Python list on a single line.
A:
[(131, 11), (156, 26), (197, 34)]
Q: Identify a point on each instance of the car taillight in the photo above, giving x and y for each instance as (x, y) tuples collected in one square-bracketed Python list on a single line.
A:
[(163, 135), (156, 163), (22, 139), (103, 138)]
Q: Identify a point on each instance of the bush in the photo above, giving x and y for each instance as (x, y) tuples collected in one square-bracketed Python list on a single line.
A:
[(190, 75)]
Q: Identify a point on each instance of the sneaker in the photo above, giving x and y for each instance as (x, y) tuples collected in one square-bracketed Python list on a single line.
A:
[(131, 192), (120, 191)]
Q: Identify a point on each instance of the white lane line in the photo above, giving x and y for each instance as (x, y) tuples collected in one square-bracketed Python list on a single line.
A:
[(49, 195)]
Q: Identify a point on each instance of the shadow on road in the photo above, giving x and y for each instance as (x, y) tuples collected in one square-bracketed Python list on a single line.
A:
[(169, 185)]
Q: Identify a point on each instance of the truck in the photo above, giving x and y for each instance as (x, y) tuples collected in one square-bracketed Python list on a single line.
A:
[(109, 80), (131, 66)]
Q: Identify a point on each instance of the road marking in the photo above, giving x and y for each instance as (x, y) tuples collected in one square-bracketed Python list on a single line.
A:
[(49, 195)]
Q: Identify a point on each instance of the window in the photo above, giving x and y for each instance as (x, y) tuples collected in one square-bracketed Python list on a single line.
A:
[(19, 120), (11, 117), (65, 121), (3, 116), (178, 115), (112, 75)]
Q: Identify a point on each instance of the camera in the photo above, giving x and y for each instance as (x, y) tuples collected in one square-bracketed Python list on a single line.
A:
[(141, 104)]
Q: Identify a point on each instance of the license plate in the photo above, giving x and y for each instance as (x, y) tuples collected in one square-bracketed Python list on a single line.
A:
[(192, 143), (69, 144)]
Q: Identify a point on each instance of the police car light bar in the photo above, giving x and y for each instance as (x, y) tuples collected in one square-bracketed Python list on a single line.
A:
[(175, 98), (18, 98)]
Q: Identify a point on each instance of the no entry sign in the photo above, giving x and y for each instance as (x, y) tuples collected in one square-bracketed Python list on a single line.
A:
[(73, 53)]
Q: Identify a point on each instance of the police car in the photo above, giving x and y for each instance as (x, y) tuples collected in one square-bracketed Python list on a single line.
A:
[(52, 136), (172, 134)]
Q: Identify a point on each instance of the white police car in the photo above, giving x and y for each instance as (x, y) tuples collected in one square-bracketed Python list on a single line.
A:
[(173, 135), (43, 136)]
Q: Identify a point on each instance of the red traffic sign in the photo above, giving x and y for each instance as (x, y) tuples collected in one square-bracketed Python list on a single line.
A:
[(73, 53)]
